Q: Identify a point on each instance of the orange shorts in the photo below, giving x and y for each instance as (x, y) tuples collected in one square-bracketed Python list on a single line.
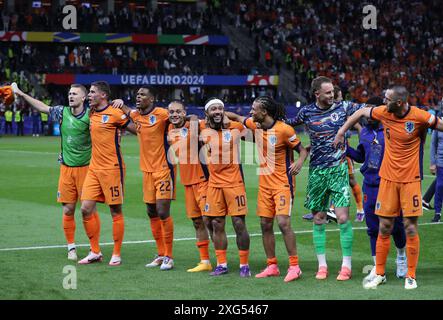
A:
[(70, 183), (159, 185), (395, 196), (272, 202), (226, 201), (104, 186), (351, 169), (195, 199)]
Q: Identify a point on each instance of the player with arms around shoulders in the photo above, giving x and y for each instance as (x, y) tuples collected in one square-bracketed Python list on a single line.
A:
[(151, 126), (184, 138), (405, 129), (275, 141), (226, 194), (104, 181)]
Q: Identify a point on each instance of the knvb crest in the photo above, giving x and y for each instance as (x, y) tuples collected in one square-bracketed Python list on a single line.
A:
[(227, 136), (334, 117), (272, 140), (378, 205), (409, 126), (105, 118), (184, 132), (152, 120)]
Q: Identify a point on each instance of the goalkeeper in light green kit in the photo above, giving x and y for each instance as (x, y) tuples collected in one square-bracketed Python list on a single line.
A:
[(74, 156)]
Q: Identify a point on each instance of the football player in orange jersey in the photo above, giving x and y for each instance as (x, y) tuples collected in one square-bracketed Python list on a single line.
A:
[(151, 125), (105, 178), (226, 193), (183, 137), (405, 129), (275, 141)]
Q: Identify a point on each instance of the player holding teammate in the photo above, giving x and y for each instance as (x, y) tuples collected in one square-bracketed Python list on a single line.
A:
[(104, 181), (226, 193), (405, 129), (151, 125), (370, 152), (275, 141), (183, 136), (328, 174), (74, 156)]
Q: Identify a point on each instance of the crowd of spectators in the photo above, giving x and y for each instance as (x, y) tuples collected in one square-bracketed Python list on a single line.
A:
[(125, 59), (167, 18), (308, 38), (327, 38)]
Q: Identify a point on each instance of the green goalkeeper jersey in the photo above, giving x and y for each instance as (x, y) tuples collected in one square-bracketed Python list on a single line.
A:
[(75, 137)]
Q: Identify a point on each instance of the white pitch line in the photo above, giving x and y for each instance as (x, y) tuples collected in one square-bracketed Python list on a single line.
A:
[(181, 239)]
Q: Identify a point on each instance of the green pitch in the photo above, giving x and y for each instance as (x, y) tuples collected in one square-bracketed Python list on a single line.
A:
[(32, 256)]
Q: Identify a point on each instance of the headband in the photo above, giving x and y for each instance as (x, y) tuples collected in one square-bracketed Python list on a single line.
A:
[(213, 101)]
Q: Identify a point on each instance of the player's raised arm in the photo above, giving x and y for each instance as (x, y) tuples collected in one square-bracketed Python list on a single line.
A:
[(234, 117), (352, 120), (36, 104)]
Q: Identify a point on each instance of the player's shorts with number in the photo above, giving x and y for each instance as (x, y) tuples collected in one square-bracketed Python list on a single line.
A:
[(70, 183), (104, 186), (395, 196), (195, 199), (226, 201), (159, 185), (324, 183), (272, 202)]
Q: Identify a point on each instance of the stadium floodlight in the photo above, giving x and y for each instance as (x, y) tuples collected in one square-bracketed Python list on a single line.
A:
[(298, 104)]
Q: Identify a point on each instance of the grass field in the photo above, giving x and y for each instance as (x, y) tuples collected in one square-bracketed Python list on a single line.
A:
[(32, 252)]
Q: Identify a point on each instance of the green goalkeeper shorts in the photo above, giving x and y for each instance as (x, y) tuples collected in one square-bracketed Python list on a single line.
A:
[(326, 182)]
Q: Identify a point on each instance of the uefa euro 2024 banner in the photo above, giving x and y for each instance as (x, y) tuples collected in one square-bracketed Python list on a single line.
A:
[(164, 80)]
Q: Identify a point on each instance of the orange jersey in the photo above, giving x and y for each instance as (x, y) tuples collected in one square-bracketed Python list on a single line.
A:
[(105, 127), (404, 142), (152, 138), (223, 156), (185, 143), (275, 148)]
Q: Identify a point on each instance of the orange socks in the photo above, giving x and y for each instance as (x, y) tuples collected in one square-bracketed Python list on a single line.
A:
[(203, 248), (69, 228), (293, 260), (157, 233), (244, 257), (168, 235), (381, 253), (356, 191), (221, 256), (92, 228), (270, 261), (118, 230), (412, 252)]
